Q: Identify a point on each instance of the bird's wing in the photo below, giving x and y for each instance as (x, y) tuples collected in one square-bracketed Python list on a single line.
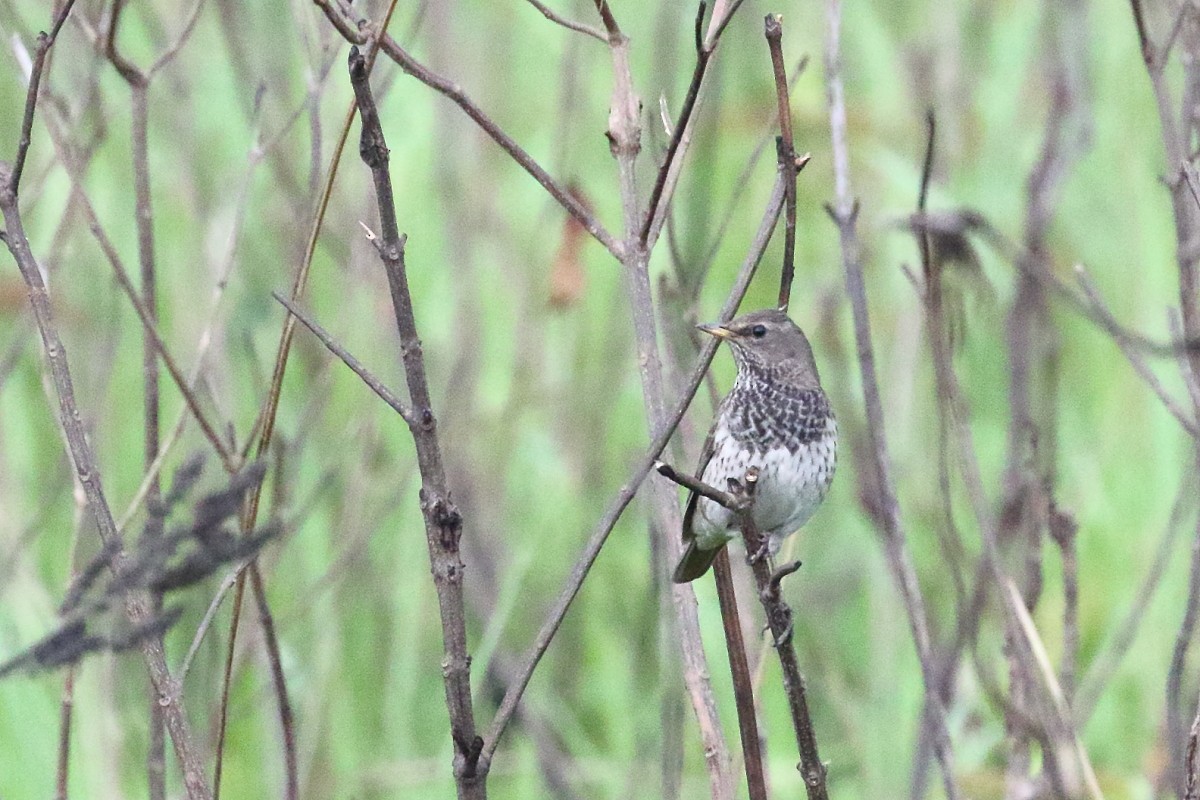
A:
[(706, 455)]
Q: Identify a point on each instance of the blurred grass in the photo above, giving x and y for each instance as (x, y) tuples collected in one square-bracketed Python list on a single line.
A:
[(542, 409)]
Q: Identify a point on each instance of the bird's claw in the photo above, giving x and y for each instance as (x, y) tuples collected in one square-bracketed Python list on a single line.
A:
[(785, 637), (763, 551)]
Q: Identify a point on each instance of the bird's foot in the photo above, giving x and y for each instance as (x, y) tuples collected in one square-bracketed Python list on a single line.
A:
[(785, 637), (763, 551)]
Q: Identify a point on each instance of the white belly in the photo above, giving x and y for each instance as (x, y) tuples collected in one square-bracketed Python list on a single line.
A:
[(790, 488)]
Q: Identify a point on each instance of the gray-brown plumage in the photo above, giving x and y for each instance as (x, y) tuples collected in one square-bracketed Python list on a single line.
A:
[(777, 419)]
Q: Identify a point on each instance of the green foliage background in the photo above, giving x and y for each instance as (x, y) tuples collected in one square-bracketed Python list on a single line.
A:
[(541, 406)]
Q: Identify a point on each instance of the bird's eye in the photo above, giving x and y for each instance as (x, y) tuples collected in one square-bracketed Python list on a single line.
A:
[(758, 331)]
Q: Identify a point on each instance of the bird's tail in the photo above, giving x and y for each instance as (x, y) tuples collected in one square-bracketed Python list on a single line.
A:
[(695, 562)]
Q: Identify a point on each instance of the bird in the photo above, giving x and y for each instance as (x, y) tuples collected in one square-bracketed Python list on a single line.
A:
[(777, 421)]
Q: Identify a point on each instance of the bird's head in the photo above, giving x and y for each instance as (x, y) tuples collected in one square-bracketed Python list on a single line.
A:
[(768, 341)]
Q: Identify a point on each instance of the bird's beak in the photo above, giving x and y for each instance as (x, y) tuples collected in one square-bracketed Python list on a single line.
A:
[(719, 331)]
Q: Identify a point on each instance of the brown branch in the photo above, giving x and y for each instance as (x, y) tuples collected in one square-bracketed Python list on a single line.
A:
[(844, 212), (735, 645), (443, 523), (700, 487), (1191, 789), (786, 151), (1183, 640), (578, 27), (743, 683), (625, 495), (779, 618), (66, 707), (624, 137), (169, 695), (742, 182), (44, 43), (704, 52), (658, 207)]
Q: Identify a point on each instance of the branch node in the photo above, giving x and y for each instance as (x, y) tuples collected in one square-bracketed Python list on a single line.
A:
[(778, 575)]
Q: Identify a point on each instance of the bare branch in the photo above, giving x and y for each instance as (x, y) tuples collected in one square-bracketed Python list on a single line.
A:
[(579, 27), (786, 151), (44, 42), (385, 394)]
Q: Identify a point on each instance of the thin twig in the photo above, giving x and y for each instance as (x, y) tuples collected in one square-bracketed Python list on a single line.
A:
[(579, 27), (265, 424), (743, 684), (1136, 359), (66, 706), (385, 394), (786, 151), (742, 182), (144, 224), (699, 487), (1191, 790), (455, 93), (1183, 640), (658, 207), (44, 43)]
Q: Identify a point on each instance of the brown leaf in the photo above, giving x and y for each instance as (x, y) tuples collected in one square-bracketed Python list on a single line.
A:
[(567, 276)]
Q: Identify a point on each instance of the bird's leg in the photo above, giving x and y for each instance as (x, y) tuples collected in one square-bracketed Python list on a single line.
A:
[(786, 636)]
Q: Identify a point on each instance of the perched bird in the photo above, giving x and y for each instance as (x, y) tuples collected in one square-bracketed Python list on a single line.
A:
[(776, 419)]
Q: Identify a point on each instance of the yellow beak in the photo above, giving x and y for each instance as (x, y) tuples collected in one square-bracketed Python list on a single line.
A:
[(718, 331)]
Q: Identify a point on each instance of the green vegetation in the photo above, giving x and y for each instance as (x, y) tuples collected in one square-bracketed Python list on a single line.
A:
[(539, 403)]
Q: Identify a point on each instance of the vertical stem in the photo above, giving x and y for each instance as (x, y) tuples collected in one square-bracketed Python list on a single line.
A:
[(844, 211), (773, 30), (779, 618), (443, 523), (743, 683)]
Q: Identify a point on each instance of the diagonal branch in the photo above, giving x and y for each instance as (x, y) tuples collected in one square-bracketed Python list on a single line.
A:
[(454, 92), (626, 494), (558, 19), (377, 386), (668, 171)]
